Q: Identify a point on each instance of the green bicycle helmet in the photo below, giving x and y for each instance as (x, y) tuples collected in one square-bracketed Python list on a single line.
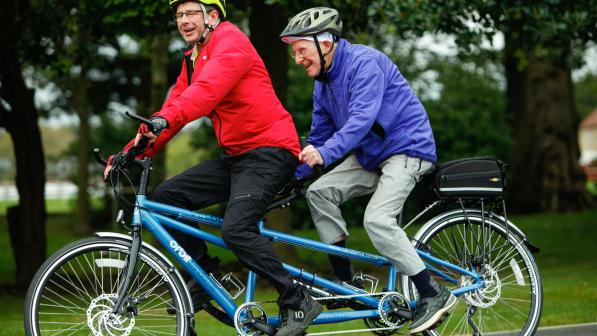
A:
[(221, 4), (313, 21)]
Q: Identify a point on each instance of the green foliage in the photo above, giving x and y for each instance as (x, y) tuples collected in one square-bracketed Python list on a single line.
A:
[(181, 154), (592, 187), (56, 142), (7, 164), (586, 94), (554, 29), (300, 99), (138, 18), (113, 133), (470, 118), (204, 138)]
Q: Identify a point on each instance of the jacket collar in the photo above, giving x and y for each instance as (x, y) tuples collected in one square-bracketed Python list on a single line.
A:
[(338, 60)]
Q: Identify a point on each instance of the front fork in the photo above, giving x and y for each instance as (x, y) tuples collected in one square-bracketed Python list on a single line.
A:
[(123, 290)]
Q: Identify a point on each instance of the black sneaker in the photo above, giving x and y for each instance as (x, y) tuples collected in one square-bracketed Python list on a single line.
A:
[(430, 310), (294, 322)]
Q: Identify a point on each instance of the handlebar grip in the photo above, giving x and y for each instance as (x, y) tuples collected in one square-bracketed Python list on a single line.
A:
[(153, 127), (139, 118), (98, 157)]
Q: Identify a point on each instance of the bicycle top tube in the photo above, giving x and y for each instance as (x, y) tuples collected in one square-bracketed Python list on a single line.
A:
[(179, 213)]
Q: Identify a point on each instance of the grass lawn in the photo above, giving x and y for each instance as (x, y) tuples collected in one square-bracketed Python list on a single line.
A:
[(566, 262)]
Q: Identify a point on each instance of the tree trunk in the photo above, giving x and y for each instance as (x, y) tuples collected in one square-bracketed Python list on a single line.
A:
[(159, 89), (266, 22), (26, 221), (545, 174), (81, 106)]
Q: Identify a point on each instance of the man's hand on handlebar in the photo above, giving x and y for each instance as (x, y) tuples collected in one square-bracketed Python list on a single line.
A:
[(112, 161), (158, 124), (147, 133), (311, 156)]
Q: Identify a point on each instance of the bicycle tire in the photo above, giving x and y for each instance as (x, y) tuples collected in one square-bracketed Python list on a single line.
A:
[(512, 299), (74, 291)]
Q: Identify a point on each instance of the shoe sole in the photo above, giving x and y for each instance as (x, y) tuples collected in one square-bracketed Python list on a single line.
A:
[(436, 317)]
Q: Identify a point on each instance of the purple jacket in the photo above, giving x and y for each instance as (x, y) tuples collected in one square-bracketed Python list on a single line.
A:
[(367, 106)]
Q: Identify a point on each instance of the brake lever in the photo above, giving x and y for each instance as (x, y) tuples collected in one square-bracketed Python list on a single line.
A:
[(139, 118)]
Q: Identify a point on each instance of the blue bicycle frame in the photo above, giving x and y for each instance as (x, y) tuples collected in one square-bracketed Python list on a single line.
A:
[(152, 215)]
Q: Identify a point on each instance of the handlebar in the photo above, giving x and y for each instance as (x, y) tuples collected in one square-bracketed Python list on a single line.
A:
[(134, 150), (98, 157), (139, 118)]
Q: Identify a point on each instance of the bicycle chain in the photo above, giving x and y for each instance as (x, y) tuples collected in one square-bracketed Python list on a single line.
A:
[(338, 298), (334, 297), (350, 331)]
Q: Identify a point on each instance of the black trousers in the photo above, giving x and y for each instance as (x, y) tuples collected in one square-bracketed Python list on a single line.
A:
[(247, 182)]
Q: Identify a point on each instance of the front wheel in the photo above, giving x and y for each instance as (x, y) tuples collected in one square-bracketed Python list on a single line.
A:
[(74, 292), (511, 299)]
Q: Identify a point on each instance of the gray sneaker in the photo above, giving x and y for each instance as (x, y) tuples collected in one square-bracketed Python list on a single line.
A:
[(294, 322), (431, 310)]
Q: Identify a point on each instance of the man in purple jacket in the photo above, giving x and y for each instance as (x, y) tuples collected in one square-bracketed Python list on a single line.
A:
[(362, 104)]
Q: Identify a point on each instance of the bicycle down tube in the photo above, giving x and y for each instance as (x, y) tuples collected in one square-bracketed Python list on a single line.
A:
[(157, 221)]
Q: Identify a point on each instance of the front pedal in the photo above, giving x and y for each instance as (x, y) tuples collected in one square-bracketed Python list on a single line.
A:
[(264, 327)]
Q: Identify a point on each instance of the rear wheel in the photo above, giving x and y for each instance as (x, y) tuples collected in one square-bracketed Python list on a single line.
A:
[(512, 297), (74, 292)]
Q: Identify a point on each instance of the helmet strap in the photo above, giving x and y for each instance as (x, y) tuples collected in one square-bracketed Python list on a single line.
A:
[(208, 28), (322, 73)]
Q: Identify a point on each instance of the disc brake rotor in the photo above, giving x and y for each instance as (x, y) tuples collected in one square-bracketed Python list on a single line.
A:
[(489, 294), (102, 321)]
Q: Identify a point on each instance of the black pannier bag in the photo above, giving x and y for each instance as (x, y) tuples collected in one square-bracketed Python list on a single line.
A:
[(481, 177)]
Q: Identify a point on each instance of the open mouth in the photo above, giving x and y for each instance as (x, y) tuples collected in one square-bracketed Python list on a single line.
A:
[(188, 31)]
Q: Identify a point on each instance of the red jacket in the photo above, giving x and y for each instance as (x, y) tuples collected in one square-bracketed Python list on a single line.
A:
[(232, 87)]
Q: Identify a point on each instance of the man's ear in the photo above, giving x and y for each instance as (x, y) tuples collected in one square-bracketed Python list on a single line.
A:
[(214, 16), (326, 46)]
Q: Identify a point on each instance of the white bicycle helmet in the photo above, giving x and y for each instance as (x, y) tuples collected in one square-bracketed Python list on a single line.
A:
[(311, 22)]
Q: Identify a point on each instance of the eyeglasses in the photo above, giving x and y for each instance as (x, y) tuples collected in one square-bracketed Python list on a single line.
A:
[(300, 54), (189, 13)]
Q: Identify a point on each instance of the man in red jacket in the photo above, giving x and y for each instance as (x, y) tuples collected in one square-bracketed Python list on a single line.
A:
[(223, 78)]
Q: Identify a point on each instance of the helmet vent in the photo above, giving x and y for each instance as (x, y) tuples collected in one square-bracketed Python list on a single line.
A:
[(314, 21)]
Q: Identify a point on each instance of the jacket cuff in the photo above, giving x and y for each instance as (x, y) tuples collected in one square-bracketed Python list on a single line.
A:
[(169, 117), (324, 155)]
